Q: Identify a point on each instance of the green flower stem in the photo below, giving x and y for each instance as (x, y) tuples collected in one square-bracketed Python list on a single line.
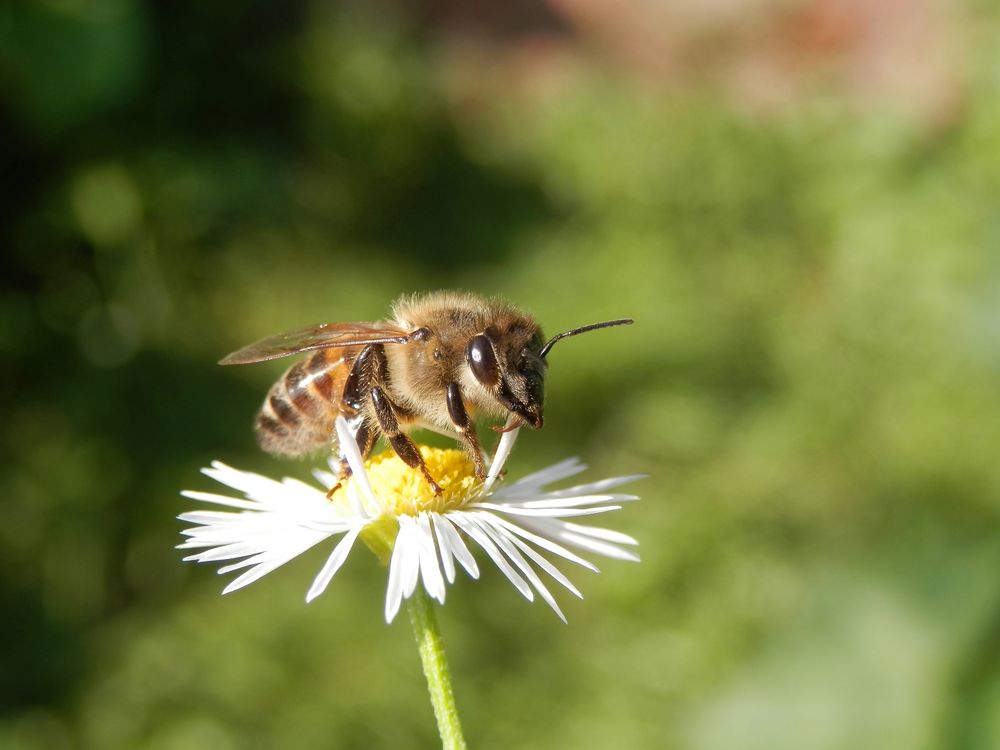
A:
[(425, 628)]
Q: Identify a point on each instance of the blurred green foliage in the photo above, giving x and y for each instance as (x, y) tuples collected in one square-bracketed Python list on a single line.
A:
[(812, 384)]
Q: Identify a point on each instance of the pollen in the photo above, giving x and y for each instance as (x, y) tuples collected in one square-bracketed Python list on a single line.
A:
[(404, 491)]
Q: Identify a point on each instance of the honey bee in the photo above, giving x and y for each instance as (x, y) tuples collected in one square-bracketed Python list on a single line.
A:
[(442, 360)]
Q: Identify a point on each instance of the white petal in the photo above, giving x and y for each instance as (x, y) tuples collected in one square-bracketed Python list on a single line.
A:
[(247, 562), (554, 500), (286, 497), (349, 448), (448, 536), (532, 482), (254, 574), (325, 478), (208, 517), (516, 510), (329, 528), (504, 448), (254, 486), (545, 543), (596, 532), (601, 548), (210, 497), (544, 564), (500, 537), (394, 588), (404, 568), (430, 567), (226, 552), (333, 563), (228, 537), (483, 540), (410, 543), (300, 491), (598, 487), (555, 529), (447, 556)]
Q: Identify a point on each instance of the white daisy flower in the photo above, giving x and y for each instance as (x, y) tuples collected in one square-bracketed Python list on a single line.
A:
[(422, 537)]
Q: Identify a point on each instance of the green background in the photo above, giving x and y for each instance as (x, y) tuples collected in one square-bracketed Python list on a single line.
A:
[(811, 250)]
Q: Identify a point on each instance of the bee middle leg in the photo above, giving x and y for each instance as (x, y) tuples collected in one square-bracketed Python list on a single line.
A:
[(388, 422), (465, 427)]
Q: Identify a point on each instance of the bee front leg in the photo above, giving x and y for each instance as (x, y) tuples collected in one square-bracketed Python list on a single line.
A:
[(388, 421), (465, 427)]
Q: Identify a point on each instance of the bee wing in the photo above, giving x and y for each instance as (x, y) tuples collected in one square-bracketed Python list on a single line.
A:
[(323, 336)]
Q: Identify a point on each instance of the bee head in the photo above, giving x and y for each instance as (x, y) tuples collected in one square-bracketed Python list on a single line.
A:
[(511, 365), (507, 364)]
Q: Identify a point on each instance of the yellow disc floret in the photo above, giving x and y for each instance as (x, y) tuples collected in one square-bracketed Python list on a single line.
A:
[(404, 491)]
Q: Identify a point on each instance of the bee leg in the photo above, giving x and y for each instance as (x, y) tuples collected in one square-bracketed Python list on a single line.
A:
[(388, 422), (343, 473), (351, 400), (366, 441), (465, 427), (358, 381)]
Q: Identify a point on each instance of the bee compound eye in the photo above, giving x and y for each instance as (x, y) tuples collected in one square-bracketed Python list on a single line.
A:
[(483, 360)]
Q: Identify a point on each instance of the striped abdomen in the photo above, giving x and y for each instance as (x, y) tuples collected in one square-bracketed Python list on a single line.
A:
[(298, 414)]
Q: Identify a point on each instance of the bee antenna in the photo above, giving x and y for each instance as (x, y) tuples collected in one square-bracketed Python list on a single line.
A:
[(584, 329)]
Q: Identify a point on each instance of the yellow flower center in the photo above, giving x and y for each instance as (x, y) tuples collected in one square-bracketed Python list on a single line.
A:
[(402, 490)]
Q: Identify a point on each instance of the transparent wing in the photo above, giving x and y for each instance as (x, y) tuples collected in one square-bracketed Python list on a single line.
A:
[(323, 336)]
